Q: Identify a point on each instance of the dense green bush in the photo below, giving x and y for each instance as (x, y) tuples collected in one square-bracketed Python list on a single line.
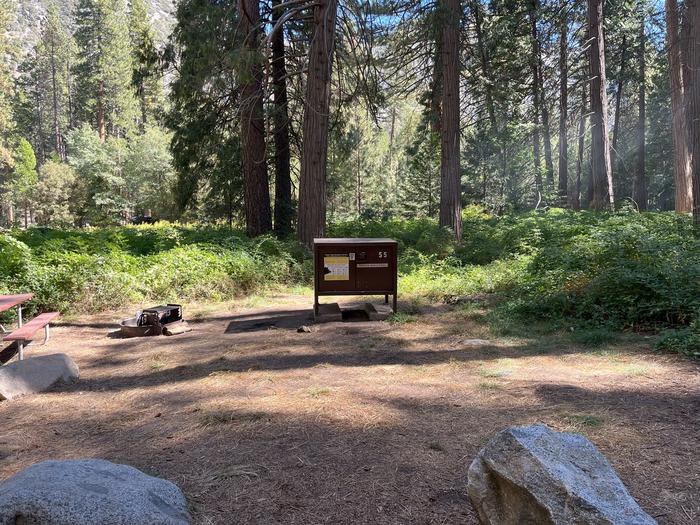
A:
[(611, 270), (684, 341), (15, 256), (622, 269), (422, 235), (96, 269)]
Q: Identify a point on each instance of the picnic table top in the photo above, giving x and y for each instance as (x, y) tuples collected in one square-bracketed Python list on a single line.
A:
[(10, 301)]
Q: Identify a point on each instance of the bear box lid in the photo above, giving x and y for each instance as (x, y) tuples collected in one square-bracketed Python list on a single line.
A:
[(353, 240)]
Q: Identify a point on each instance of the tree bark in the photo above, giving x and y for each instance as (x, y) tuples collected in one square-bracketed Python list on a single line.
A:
[(681, 160), (640, 182), (392, 131), (358, 183), (534, 68), (692, 93), (451, 187), (563, 107), (101, 126), (436, 88), (58, 138), (488, 89), (546, 128), (41, 140), (485, 65), (618, 103), (601, 171), (576, 194), (256, 191), (69, 88), (312, 184), (141, 95), (283, 179)]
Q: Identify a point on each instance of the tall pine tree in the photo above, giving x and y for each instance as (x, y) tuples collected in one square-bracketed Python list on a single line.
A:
[(146, 76), (105, 95), (6, 120), (43, 102)]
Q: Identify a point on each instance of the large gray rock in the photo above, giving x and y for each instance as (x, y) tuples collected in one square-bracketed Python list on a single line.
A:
[(89, 492), (534, 475), (36, 374)]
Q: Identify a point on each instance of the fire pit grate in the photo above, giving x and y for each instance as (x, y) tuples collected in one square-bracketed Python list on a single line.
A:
[(157, 320)]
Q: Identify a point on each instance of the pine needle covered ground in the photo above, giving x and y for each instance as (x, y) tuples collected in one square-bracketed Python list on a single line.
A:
[(557, 317), (356, 422)]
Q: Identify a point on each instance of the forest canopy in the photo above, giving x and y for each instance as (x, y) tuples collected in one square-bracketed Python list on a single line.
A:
[(286, 116), (542, 151)]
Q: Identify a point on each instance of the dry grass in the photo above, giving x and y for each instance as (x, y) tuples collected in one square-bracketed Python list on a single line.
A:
[(355, 422)]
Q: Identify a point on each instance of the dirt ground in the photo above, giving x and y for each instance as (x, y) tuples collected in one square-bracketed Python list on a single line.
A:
[(354, 422)]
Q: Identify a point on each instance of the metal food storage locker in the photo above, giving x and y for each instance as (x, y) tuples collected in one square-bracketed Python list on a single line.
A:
[(355, 267)]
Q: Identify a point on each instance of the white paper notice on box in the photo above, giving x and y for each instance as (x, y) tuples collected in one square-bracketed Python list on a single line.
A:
[(336, 268)]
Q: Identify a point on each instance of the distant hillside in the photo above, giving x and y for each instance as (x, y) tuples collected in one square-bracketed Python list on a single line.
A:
[(30, 12)]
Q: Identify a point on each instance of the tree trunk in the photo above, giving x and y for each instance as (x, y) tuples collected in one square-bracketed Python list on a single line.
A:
[(255, 184), (576, 194), (451, 188), (601, 171), (681, 160), (58, 138), (534, 68), (640, 182), (618, 102), (436, 91), (488, 87), (546, 128), (141, 94), (69, 89), (692, 93), (563, 108), (312, 184), (392, 131), (283, 179), (358, 182), (485, 65), (101, 127), (41, 140)]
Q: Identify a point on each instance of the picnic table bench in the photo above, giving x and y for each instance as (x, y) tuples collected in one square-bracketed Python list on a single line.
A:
[(24, 332)]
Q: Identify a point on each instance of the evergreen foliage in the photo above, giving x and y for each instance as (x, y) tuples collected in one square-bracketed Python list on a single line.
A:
[(104, 67), (24, 176), (581, 270), (100, 123), (206, 150), (53, 196), (6, 120), (146, 75)]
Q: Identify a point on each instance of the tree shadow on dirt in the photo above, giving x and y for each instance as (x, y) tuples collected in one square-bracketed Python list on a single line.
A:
[(257, 321), (262, 466), (661, 406), (383, 351)]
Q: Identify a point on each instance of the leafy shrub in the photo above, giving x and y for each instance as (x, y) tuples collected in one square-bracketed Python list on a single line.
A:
[(96, 269), (593, 337), (422, 235), (599, 271), (684, 341), (625, 270), (15, 257)]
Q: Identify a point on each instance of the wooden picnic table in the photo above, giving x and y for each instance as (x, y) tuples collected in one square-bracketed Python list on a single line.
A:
[(10, 301)]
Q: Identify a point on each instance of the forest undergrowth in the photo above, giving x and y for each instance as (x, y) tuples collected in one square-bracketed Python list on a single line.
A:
[(588, 271)]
